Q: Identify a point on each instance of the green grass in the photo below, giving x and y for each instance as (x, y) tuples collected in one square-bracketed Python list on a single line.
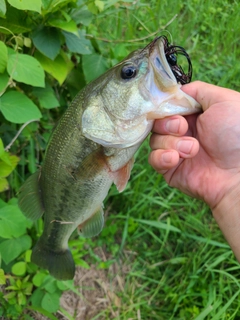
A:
[(180, 265), (183, 268)]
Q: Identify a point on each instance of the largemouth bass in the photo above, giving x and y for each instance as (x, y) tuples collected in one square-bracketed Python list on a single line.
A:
[(93, 146)]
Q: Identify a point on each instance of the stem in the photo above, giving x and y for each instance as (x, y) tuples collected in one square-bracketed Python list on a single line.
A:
[(18, 133)]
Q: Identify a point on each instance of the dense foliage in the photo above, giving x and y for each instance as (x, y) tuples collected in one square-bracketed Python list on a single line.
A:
[(49, 49)]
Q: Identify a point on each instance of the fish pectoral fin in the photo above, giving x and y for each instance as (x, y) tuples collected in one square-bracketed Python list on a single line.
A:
[(121, 177), (93, 226), (30, 200)]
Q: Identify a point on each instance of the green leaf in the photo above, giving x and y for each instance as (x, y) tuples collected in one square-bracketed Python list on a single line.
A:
[(33, 5), (2, 277), (2, 151), (4, 78), (69, 26), (158, 224), (12, 248), (2, 8), (3, 184), (51, 302), (82, 263), (19, 268), (78, 43), (6, 168), (6, 157), (26, 69), (28, 254), (100, 5), (82, 15), (59, 68), (46, 97), (37, 297), (93, 66), (3, 56), (18, 108), (47, 41), (12, 222), (38, 279), (54, 5), (61, 285), (15, 22), (22, 300)]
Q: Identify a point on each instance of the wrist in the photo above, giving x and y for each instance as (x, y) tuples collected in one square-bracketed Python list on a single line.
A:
[(227, 215)]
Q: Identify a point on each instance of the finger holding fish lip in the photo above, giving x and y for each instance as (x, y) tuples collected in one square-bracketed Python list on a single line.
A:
[(187, 147), (175, 125), (168, 151)]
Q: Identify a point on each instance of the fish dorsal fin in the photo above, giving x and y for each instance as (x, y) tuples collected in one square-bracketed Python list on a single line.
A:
[(30, 199), (93, 226)]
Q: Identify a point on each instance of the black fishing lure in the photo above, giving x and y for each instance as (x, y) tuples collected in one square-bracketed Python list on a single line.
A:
[(171, 53)]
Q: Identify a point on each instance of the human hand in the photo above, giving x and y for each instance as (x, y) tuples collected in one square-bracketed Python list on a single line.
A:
[(200, 154)]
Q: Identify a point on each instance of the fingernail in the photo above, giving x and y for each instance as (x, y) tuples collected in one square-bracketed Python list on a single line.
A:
[(173, 125), (185, 146), (167, 156)]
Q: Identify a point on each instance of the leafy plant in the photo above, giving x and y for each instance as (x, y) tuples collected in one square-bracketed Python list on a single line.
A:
[(42, 44)]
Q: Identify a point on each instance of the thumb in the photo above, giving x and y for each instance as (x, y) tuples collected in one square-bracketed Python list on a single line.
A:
[(208, 94)]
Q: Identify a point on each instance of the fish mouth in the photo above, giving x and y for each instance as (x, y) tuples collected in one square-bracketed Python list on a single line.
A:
[(159, 66), (165, 79), (165, 56)]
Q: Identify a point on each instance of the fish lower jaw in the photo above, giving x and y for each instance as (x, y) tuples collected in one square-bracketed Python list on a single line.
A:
[(170, 108)]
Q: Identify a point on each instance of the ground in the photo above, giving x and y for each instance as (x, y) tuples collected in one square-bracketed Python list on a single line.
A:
[(99, 290)]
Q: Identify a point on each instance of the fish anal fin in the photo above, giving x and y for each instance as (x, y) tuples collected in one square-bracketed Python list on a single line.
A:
[(93, 226), (30, 199), (121, 176)]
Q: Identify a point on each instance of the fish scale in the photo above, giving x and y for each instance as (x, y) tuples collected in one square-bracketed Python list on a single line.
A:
[(93, 146)]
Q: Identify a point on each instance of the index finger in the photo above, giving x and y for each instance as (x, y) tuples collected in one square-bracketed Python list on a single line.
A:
[(208, 94)]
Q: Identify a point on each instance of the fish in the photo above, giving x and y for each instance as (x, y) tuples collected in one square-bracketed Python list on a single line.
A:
[(93, 147)]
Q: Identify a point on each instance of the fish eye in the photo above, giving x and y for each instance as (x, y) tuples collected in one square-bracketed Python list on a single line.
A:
[(128, 72), (172, 59)]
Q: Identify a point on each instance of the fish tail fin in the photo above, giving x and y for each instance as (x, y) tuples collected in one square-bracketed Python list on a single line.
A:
[(59, 263)]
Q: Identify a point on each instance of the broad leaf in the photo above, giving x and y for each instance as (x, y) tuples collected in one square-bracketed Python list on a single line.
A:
[(33, 5), (15, 22), (11, 248), (19, 268), (82, 15), (3, 184), (18, 108), (69, 26), (26, 69), (3, 56), (99, 4), (78, 43), (50, 302), (12, 222), (6, 169), (47, 41), (2, 151), (53, 5), (59, 68), (93, 66), (2, 8), (4, 78), (2, 276), (46, 97)]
